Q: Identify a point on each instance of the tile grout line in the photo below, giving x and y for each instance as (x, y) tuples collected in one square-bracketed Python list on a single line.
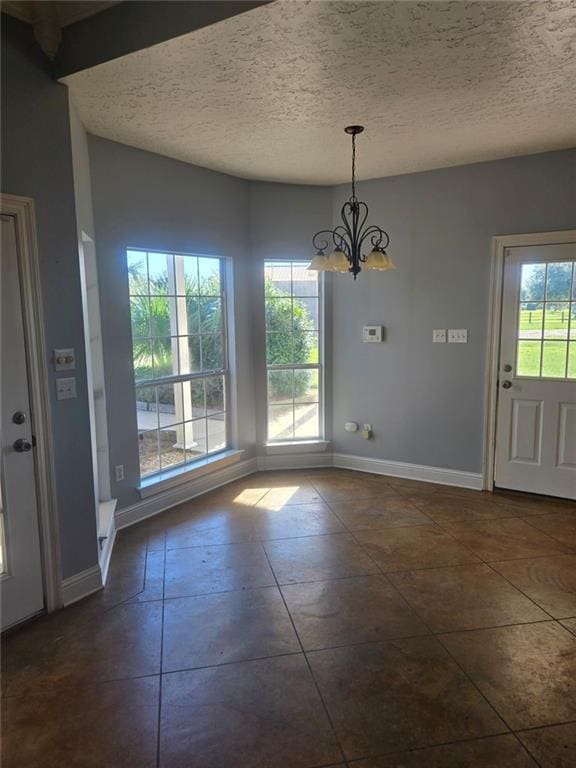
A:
[(526, 750), (425, 623), (496, 571), (471, 681), (159, 725), (316, 686)]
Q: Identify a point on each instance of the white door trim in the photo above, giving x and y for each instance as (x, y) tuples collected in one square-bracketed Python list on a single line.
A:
[(499, 245), (22, 210)]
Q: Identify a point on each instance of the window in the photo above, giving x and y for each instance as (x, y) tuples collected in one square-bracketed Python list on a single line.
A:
[(293, 351), (547, 321), (178, 312)]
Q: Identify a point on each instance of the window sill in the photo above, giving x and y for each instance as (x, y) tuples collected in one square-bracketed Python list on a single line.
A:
[(151, 486), (302, 446)]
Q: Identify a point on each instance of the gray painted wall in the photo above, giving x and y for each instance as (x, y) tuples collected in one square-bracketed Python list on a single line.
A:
[(37, 163), (148, 201), (425, 400)]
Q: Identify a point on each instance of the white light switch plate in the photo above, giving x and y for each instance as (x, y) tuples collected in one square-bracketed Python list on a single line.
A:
[(64, 359), (439, 336), (457, 336), (66, 389)]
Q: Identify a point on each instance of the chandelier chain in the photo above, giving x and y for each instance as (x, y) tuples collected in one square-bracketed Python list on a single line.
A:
[(354, 166)]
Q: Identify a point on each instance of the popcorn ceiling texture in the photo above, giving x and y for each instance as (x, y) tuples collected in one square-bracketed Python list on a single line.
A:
[(266, 94)]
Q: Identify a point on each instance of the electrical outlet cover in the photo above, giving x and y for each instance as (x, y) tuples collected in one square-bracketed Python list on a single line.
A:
[(66, 389), (457, 336), (439, 336)]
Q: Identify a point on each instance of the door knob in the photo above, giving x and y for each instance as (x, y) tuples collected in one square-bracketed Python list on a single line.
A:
[(19, 417), (22, 446), (506, 384)]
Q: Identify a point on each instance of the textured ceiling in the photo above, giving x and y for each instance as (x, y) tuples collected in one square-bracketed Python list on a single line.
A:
[(266, 94)]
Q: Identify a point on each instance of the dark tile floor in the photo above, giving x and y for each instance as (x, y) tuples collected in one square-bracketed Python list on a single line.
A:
[(308, 619)]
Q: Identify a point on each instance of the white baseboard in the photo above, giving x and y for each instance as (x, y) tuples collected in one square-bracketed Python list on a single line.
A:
[(153, 505), (400, 469), (81, 585), (294, 461), (163, 501), (106, 551)]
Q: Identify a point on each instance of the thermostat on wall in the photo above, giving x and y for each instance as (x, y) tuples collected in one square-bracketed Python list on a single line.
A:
[(372, 333)]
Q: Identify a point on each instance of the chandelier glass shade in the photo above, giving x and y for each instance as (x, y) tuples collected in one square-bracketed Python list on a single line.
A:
[(342, 249)]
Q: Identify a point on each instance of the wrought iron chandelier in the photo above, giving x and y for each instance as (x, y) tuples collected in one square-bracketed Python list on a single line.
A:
[(350, 237)]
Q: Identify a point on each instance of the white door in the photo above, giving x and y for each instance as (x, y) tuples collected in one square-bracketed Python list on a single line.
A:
[(20, 564), (536, 417)]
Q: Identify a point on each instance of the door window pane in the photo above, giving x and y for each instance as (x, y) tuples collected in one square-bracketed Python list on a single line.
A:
[(554, 354), (533, 282), (572, 360), (556, 320), (558, 281), (528, 361), (530, 320)]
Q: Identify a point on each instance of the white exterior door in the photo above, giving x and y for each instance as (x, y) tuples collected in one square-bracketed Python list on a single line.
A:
[(20, 563), (536, 416)]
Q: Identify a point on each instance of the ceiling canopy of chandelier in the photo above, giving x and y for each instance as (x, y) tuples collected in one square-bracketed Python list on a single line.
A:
[(348, 239)]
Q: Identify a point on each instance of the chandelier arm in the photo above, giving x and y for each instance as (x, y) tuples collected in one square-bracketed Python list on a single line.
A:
[(340, 237), (376, 235), (362, 219), (347, 214), (321, 245)]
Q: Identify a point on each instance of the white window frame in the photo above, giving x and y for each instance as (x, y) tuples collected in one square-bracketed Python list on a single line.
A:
[(201, 459), (299, 366)]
